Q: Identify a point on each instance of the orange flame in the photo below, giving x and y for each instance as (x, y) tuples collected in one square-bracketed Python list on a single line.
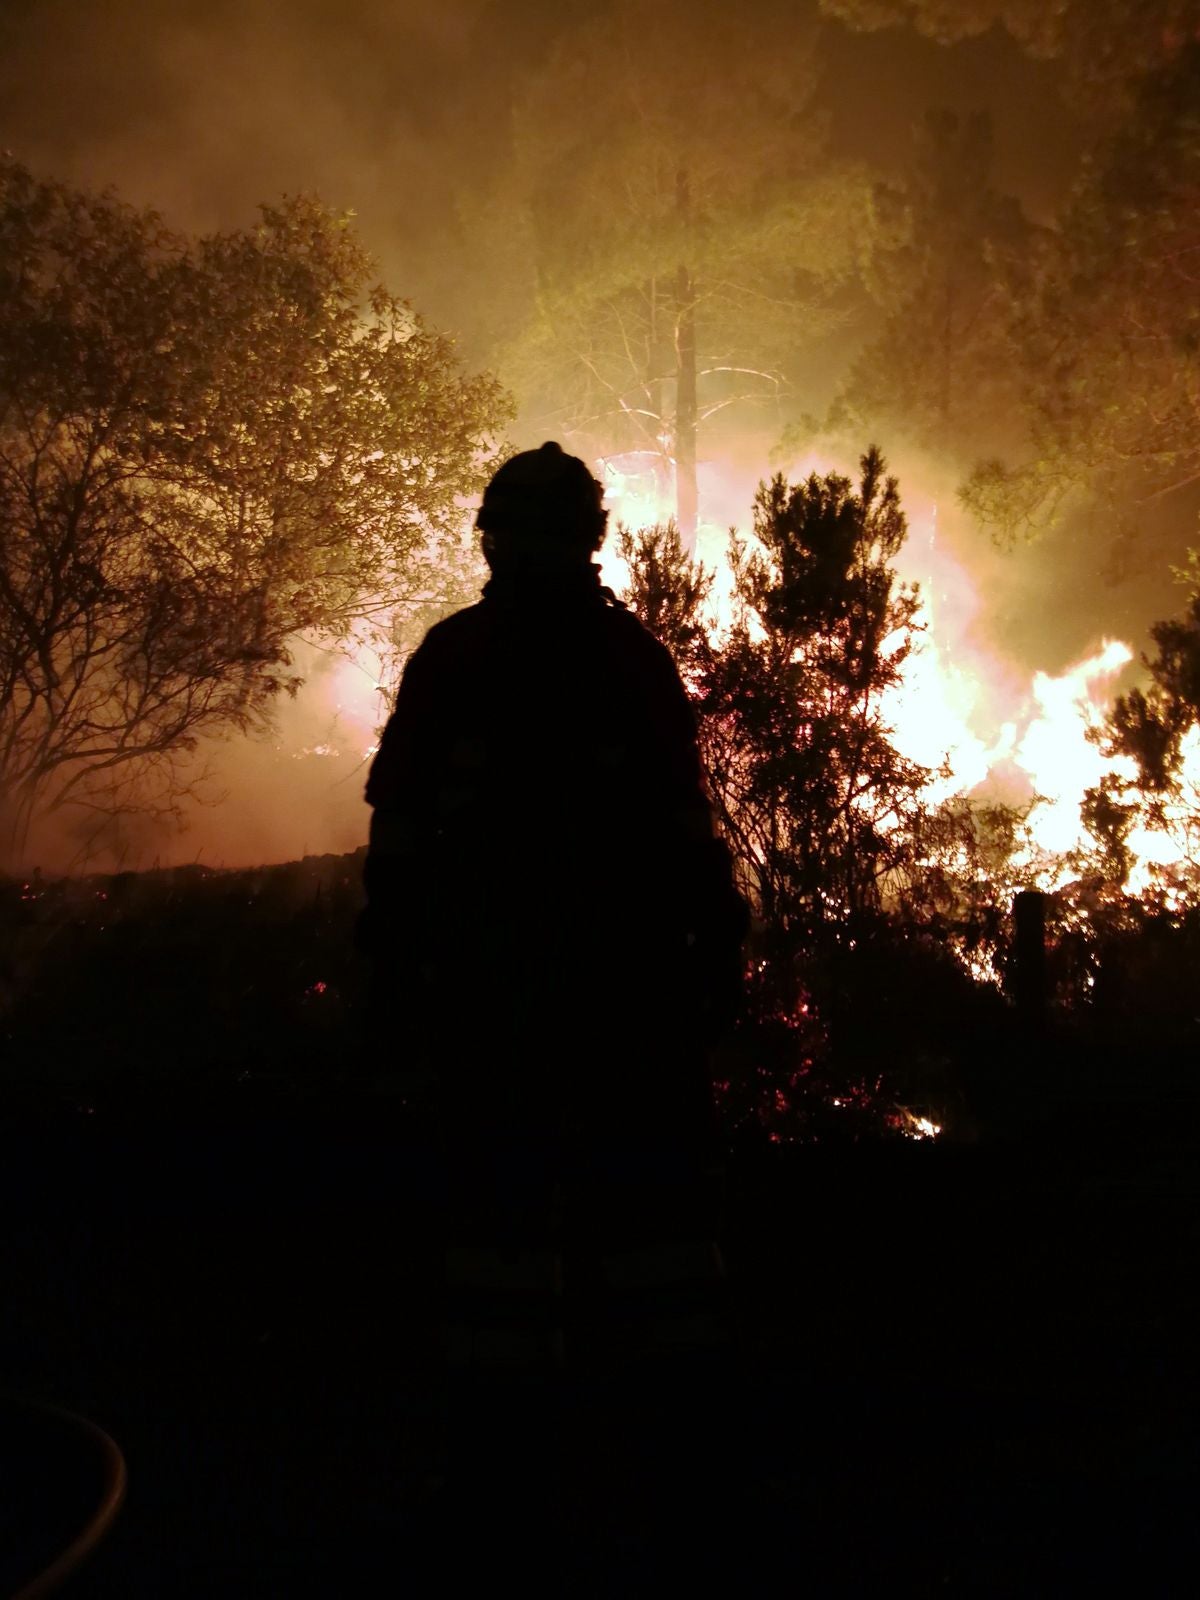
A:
[(945, 713)]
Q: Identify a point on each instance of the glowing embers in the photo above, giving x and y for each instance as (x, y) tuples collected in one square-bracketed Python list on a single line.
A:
[(914, 1126)]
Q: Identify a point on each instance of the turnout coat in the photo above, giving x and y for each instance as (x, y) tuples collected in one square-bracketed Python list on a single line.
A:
[(553, 923)]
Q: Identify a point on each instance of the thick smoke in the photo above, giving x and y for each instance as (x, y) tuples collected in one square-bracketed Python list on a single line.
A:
[(205, 108)]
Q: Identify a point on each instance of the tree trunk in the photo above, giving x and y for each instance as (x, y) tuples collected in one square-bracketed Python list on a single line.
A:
[(655, 402), (686, 499)]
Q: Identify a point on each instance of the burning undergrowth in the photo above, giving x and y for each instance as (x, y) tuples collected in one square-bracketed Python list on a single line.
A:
[(191, 988)]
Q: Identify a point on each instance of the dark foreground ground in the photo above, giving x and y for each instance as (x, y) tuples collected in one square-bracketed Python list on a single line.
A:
[(963, 1370), (964, 1367)]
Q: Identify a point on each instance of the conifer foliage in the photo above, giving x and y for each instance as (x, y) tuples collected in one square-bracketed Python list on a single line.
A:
[(820, 808), (830, 826)]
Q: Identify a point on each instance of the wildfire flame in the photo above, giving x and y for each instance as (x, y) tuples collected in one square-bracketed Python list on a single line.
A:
[(944, 712), (958, 710), (984, 731)]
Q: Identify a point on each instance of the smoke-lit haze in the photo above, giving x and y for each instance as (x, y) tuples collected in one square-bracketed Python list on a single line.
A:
[(207, 107)]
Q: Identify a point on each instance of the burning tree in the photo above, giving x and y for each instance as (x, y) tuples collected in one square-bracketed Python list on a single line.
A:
[(670, 592), (834, 835), (811, 790), (667, 238), (206, 446)]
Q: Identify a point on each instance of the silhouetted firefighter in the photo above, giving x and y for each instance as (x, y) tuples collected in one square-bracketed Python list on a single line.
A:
[(556, 937)]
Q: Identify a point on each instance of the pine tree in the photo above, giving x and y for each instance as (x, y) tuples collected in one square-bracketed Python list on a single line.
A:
[(813, 793)]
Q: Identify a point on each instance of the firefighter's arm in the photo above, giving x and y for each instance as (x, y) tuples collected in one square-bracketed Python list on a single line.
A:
[(395, 788), (391, 928)]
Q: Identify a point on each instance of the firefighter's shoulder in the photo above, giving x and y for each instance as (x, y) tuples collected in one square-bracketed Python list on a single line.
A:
[(635, 637), (455, 630)]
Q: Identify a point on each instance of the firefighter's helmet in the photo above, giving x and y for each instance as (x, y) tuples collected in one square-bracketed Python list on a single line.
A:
[(542, 499)]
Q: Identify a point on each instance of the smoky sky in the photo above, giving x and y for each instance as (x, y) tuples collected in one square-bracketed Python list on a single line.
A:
[(205, 108)]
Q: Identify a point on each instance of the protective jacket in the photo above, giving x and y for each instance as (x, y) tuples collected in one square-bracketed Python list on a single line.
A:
[(553, 921)]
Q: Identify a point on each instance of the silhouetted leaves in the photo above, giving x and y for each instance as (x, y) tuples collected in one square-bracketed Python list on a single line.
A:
[(206, 446)]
